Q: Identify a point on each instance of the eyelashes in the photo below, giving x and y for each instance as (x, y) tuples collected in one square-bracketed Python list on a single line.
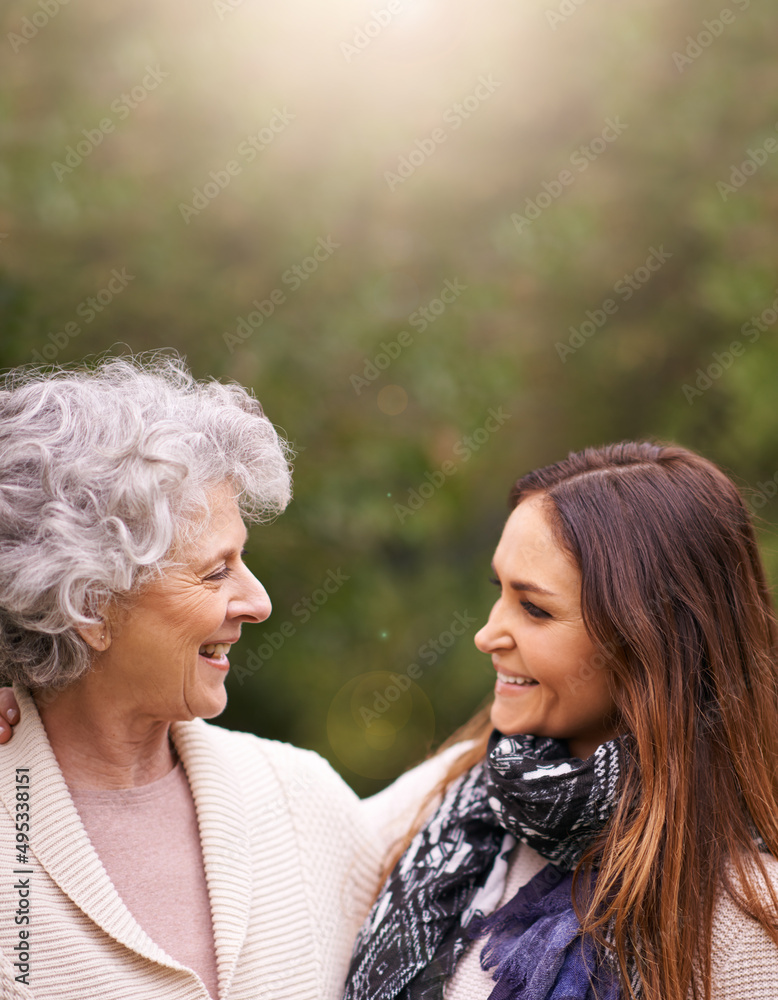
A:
[(532, 609), (225, 571)]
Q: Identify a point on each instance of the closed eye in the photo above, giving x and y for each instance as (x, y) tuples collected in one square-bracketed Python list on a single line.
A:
[(224, 572), (534, 611)]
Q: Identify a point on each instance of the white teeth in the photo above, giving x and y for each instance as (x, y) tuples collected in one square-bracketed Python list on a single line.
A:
[(216, 649), (507, 679)]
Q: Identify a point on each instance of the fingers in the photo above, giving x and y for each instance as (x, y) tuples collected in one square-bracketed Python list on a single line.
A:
[(9, 714)]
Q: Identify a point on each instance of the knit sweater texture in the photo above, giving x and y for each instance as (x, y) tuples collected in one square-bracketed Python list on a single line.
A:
[(289, 866)]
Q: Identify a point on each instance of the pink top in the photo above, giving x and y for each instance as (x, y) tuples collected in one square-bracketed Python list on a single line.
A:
[(149, 843)]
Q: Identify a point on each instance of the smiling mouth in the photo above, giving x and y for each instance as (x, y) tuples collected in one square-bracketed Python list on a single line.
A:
[(516, 681), (215, 651)]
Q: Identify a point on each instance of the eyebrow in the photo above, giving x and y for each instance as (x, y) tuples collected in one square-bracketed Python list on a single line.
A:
[(524, 585), (224, 554)]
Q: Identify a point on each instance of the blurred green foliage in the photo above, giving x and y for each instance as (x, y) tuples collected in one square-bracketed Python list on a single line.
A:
[(483, 108)]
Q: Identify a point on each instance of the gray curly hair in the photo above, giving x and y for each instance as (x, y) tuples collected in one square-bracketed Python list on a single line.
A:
[(104, 474)]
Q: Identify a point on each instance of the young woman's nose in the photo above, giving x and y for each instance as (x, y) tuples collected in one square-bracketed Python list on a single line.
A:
[(493, 635)]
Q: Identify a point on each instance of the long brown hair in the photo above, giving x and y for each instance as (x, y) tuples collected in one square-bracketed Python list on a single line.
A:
[(675, 599)]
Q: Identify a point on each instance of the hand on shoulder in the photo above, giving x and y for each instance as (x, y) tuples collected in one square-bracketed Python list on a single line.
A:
[(9, 713)]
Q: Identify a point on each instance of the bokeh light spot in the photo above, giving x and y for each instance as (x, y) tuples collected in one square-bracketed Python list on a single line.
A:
[(392, 399), (380, 723)]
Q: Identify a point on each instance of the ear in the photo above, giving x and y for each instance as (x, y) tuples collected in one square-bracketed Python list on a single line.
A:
[(98, 635)]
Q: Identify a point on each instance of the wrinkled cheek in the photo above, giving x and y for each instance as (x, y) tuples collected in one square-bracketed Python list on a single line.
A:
[(191, 679)]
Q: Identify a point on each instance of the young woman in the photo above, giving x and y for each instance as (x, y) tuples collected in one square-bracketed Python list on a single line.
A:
[(611, 828)]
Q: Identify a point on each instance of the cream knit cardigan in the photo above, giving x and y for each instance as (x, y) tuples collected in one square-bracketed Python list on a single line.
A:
[(289, 867)]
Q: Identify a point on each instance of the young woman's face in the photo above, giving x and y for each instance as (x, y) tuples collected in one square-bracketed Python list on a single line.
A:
[(546, 682)]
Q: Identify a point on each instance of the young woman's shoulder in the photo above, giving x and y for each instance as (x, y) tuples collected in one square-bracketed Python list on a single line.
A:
[(744, 956)]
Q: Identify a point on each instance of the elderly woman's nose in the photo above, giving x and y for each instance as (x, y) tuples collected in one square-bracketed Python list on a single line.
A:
[(251, 601)]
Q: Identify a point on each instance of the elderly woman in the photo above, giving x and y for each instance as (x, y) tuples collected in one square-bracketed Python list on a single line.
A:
[(143, 852), (611, 828)]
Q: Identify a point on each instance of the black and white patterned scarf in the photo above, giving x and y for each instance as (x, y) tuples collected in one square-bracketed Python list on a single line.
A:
[(454, 873)]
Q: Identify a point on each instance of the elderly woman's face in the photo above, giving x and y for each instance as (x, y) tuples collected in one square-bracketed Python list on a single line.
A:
[(546, 685), (168, 651)]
